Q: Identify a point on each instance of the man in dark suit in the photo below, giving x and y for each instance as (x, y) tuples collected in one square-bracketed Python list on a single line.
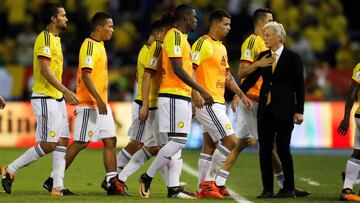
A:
[(281, 104)]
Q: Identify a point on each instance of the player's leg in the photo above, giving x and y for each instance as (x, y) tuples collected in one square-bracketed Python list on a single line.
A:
[(146, 152), (83, 132), (352, 168), (125, 154), (276, 164), (246, 136), (205, 157), (58, 158), (45, 137), (217, 124), (175, 119), (136, 133), (105, 130)]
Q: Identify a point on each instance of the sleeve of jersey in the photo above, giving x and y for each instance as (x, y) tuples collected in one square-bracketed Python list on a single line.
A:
[(42, 49), (172, 45), (87, 57), (153, 57), (200, 51), (356, 73), (248, 50)]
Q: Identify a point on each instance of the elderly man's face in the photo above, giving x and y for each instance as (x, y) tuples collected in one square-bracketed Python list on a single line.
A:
[(271, 39)]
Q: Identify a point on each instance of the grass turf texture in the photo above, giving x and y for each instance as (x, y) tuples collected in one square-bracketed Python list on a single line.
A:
[(86, 173)]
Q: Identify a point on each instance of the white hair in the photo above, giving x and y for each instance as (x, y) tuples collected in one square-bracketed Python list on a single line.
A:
[(278, 29)]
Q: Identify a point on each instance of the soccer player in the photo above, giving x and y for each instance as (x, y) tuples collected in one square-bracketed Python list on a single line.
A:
[(47, 101), (94, 119), (140, 130), (212, 72), (174, 101), (147, 112), (246, 128), (2, 102), (353, 164)]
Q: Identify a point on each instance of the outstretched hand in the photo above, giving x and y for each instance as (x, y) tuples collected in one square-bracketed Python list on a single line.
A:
[(343, 127)]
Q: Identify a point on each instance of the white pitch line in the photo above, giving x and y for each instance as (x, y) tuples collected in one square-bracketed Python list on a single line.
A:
[(310, 182), (238, 198)]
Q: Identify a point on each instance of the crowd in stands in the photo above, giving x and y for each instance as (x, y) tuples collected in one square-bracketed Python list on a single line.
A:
[(322, 32)]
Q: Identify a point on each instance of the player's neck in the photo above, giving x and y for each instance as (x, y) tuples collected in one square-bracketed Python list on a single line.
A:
[(213, 35), (259, 31), (95, 36), (150, 40), (181, 27), (53, 29)]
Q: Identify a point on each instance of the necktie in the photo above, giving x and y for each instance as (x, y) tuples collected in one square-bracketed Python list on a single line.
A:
[(273, 69)]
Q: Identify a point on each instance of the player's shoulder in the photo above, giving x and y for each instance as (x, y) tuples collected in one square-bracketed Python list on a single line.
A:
[(250, 41), (173, 36), (157, 44), (44, 37), (198, 44), (357, 67)]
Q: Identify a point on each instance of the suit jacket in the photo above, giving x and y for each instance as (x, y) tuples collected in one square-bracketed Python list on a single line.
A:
[(286, 85)]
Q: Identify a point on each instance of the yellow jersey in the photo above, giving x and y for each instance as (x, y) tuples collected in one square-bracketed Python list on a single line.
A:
[(153, 64), (47, 47), (250, 50), (140, 67), (176, 47), (356, 78), (92, 59), (209, 56)]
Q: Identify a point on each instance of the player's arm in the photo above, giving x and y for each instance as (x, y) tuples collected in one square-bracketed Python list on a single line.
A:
[(151, 66), (45, 71), (173, 49), (2, 102), (177, 66), (351, 97), (86, 77), (145, 90), (246, 67), (199, 53), (231, 84), (196, 98)]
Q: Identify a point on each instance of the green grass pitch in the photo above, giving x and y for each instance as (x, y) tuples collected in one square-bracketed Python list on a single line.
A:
[(315, 172)]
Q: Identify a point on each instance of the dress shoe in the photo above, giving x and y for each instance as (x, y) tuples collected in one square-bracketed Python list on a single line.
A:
[(285, 193), (266, 194), (301, 193)]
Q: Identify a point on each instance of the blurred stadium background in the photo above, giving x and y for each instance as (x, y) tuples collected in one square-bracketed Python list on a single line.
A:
[(325, 33)]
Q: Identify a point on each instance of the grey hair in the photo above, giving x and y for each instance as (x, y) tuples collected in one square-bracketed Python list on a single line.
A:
[(278, 29)]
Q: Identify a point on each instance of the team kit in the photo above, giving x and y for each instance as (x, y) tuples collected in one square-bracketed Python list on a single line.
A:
[(176, 83)]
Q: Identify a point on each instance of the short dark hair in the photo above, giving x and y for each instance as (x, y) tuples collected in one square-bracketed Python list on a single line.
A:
[(49, 10), (99, 19), (167, 20), (218, 14), (181, 11), (156, 26), (260, 14)]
